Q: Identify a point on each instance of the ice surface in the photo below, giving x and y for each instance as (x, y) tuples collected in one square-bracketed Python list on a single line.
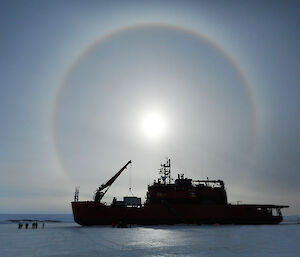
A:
[(68, 239)]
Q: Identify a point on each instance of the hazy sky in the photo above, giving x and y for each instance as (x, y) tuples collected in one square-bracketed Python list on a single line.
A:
[(88, 85)]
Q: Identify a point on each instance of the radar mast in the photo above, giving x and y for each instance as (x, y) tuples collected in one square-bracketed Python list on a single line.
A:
[(165, 171)]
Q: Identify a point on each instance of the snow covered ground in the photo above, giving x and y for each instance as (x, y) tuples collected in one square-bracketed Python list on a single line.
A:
[(68, 239)]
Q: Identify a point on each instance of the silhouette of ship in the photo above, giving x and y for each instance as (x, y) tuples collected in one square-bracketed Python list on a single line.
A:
[(184, 201)]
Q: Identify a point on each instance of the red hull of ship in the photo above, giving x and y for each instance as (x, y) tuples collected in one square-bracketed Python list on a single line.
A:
[(92, 213)]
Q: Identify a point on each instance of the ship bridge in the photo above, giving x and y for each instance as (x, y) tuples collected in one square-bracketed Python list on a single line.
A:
[(185, 190)]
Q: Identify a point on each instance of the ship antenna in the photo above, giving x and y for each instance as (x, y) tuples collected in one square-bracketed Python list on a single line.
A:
[(76, 195)]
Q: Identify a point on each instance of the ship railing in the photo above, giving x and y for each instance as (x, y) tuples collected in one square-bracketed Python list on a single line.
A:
[(210, 183)]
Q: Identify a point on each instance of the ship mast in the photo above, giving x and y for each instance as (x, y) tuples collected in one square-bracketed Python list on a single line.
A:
[(100, 193), (165, 171)]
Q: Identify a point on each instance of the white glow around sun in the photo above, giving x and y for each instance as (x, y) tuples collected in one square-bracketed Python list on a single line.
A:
[(153, 125)]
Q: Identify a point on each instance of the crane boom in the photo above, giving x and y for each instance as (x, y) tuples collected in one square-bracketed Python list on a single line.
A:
[(99, 192)]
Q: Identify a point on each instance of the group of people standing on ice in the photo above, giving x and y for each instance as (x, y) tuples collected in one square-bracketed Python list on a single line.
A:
[(34, 225)]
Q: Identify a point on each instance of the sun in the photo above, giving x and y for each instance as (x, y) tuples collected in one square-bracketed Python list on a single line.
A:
[(153, 124)]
